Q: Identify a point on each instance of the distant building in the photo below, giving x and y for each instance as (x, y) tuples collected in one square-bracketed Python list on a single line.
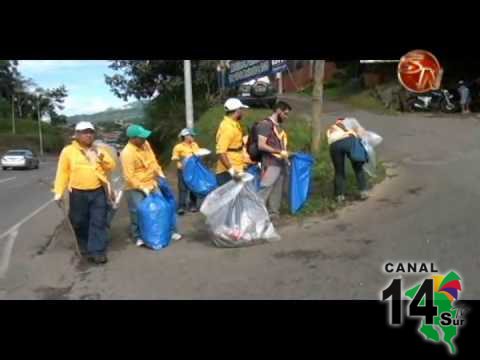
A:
[(300, 75)]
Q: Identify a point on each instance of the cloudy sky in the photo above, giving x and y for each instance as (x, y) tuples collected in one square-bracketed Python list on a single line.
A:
[(84, 79)]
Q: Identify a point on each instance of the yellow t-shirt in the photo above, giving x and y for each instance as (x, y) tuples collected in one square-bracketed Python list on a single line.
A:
[(140, 167), (76, 171), (230, 142), (182, 151)]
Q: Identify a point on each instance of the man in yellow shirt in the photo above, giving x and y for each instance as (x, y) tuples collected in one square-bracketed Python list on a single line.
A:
[(182, 151), (83, 170), (141, 172), (230, 147)]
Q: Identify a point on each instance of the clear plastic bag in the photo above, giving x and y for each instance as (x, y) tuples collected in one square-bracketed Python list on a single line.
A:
[(237, 216), (370, 167), (373, 139), (370, 140)]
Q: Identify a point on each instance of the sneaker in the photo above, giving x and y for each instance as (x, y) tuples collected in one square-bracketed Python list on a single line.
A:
[(181, 212), (363, 195), (193, 209), (176, 237), (98, 259), (139, 242), (340, 198)]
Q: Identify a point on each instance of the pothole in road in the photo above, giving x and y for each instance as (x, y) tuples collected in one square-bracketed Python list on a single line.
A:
[(415, 191), (394, 203), (54, 293), (306, 256)]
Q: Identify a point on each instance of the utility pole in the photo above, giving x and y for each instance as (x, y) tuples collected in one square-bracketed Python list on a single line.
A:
[(187, 68), (13, 114), (40, 135), (317, 105), (280, 83)]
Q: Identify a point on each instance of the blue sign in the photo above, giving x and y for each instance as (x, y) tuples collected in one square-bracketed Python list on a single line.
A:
[(240, 71), (279, 66)]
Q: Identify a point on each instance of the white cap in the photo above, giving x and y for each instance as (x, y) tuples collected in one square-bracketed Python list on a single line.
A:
[(233, 104), (84, 125)]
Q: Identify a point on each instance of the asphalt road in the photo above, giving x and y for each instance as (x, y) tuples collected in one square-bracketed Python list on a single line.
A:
[(425, 211), (28, 218)]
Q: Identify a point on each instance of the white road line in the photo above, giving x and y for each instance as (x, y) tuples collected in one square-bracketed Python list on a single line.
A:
[(8, 179), (7, 253), (17, 225), (12, 236)]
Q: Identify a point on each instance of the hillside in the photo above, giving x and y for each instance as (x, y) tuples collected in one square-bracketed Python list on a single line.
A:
[(134, 113)]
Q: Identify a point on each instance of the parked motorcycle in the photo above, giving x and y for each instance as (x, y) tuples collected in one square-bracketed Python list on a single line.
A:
[(435, 100)]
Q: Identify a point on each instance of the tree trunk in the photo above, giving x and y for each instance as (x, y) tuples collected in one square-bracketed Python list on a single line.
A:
[(317, 105)]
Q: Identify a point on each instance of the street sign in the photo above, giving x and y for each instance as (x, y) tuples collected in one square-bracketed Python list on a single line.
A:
[(279, 66), (240, 71)]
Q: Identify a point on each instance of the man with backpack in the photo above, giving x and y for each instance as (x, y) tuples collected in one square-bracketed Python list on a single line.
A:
[(267, 144)]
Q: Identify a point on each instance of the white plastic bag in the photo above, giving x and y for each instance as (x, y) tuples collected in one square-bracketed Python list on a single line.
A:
[(370, 167), (237, 216), (372, 138)]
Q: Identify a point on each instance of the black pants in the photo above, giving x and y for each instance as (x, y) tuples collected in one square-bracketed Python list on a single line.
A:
[(184, 194), (338, 151), (88, 215), (223, 178)]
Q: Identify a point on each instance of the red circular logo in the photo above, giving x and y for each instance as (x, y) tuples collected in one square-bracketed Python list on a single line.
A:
[(419, 71)]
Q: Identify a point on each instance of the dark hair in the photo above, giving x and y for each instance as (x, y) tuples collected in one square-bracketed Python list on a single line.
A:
[(282, 105), (229, 113)]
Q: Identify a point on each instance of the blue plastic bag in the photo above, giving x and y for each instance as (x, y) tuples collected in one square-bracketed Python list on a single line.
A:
[(300, 180), (257, 172), (169, 196), (155, 221), (358, 153), (198, 178)]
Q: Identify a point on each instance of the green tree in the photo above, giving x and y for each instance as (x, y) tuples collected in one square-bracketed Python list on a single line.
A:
[(58, 120), (143, 79)]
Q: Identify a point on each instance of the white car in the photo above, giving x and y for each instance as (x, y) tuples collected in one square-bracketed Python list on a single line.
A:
[(19, 159)]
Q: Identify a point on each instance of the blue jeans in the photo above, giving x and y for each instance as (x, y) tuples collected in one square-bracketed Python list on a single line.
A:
[(340, 150), (223, 178), (134, 198), (88, 215), (186, 198)]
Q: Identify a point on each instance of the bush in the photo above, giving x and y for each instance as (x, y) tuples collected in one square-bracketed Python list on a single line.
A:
[(165, 116), (27, 135)]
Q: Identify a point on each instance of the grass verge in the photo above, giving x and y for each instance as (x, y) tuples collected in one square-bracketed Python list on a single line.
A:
[(321, 199)]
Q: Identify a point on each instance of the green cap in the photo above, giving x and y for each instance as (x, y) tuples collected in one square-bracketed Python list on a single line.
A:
[(137, 131)]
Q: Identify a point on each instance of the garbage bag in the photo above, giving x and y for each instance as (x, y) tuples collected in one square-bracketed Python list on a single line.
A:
[(257, 173), (372, 138), (300, 180), (169, 196), (155, 221), (371, 166), (198, 178), (237, 216)]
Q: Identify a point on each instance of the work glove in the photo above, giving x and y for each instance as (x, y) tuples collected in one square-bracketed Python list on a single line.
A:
[(284, 154), (58, 200), (238, 176), (231, 171)]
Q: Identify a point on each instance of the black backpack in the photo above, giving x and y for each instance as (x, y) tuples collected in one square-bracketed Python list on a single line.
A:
[(252, 143)]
